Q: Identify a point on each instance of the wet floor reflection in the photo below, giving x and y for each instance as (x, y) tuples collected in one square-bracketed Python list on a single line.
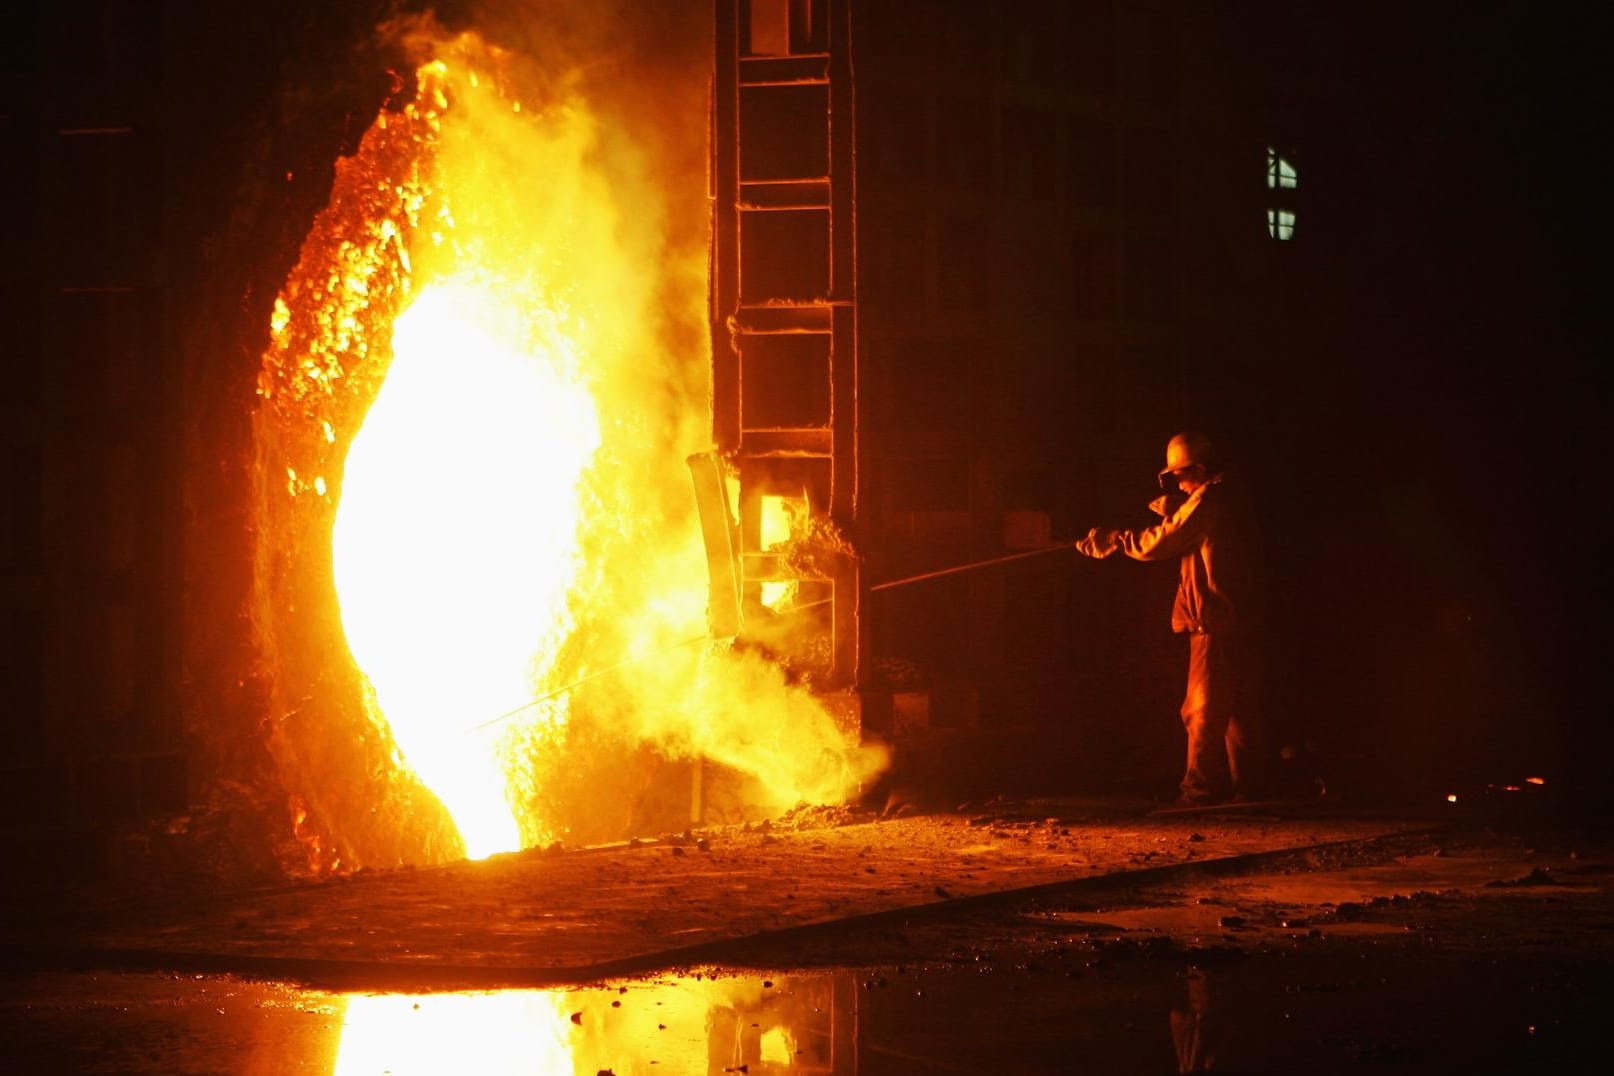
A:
[(747, 1025), (1190, 1026), (1077, 1007), (1064, 1013), (492, 1033)]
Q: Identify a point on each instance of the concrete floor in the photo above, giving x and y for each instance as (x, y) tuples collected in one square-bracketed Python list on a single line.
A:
[(1048, 936)]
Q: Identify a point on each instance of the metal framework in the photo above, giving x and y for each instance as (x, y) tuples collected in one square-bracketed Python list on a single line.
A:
[(784, 281)]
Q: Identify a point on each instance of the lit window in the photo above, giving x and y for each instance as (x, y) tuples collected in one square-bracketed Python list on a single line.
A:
[(1280, 173), (1282, 181)]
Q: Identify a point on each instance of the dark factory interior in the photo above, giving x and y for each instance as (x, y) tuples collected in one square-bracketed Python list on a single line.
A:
[(853, 318)]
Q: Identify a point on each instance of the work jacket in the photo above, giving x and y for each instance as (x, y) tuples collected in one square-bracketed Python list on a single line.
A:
[(1214, 534)]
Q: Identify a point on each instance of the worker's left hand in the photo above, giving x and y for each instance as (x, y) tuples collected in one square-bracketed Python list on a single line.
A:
[(1099, 543), (1167, 503)]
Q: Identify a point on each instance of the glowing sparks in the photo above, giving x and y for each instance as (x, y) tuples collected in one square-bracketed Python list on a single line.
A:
[(455, 541), (280, 319)]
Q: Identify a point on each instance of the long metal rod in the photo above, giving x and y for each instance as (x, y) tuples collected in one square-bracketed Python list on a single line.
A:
[(968, 567)]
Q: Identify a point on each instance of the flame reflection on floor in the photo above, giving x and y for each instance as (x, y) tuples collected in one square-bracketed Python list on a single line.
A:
[(487, 1033), (679, 1026)]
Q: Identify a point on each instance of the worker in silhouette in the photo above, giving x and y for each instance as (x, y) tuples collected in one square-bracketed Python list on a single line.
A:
[(1206, 524)]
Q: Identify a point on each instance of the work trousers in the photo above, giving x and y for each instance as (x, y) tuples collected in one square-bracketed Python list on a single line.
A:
[(1219, 713)]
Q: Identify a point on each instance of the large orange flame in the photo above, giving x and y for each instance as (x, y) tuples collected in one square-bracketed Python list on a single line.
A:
[(456, 540), (484, 376)]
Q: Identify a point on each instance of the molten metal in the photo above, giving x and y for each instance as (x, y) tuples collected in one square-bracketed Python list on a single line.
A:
[(456, 540)]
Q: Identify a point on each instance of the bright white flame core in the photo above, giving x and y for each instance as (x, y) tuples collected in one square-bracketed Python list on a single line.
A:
[(456, 539)]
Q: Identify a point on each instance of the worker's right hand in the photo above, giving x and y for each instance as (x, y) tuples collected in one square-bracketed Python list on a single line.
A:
[(1099, 543)]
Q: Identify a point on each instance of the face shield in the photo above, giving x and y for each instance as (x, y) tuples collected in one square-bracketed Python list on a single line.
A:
[(1172, 481)]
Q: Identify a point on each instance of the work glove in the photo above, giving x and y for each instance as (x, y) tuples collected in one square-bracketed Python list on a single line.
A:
[(1167, 503), (1099, 543)]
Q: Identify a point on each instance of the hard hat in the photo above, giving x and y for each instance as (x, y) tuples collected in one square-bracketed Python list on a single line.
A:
[(1186, 450)]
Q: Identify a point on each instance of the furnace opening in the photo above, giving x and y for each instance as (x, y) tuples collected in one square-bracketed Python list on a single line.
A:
[(481, 596)]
